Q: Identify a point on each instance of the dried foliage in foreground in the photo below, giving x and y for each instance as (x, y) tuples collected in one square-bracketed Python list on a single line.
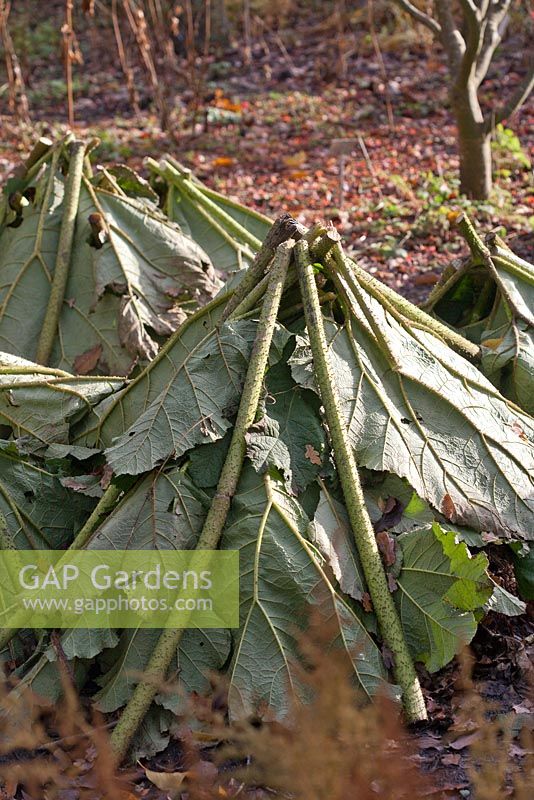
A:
[(334, 746)]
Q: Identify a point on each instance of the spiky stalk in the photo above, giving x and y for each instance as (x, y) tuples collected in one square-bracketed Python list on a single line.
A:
[(61, 269), (391, 300), (362, 528), (283, 229), (169, 640)]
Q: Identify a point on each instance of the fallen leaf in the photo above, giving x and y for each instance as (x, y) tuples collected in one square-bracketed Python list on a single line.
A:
[(87, 361), (168, 781), (426, 279), (366, 602), (203, 773), (312, 455), (386, 545), (298, 174), (429, 743), (516, 427), (391, 515), (448, 509), (492, 344), (224, 161), (392, 583), (465, 741), (451, 760), (107, 474), (298, 159)]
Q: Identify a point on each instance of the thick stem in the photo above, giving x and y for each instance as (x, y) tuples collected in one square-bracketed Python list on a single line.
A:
[(217, 196), (284, 228), (169, 640), (61, 270), (364, 536), (481, 251), (389, 298), (104, 505), (167, 171)]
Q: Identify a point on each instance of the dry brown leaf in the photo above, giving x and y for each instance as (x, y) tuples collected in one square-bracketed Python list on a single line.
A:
[(203, 773), (448, 509), (386, 545), (312, 455), (87, 361)]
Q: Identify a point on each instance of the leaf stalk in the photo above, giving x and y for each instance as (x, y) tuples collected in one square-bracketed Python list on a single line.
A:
[(215, 521), (364, 536)]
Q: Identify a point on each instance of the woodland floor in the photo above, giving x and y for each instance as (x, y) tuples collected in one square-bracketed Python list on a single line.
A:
[(265, 135)]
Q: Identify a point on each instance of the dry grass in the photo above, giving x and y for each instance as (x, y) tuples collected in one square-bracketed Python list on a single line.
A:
[(335, 747)]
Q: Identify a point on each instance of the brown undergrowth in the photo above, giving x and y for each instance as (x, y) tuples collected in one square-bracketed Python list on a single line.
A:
[(336, 747)]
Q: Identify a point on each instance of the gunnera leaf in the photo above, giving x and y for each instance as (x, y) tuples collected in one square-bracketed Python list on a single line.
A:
[(439, 587), (187, 396), (281, 582), (230, 233), (133, 275), (38, 511), (419, 410), (289, 434), (490, 300), (38, 405)]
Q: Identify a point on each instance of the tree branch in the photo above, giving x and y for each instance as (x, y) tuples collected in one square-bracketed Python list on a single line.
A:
[(494, 16), (451, 38), (420, 16), (516, 100), (472, 41)]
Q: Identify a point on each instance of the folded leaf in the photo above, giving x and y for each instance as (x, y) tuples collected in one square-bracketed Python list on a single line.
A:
[(417, 409), (186, 397), (281, 583), (491, 302), (38, 405), (229, 243), (40, 513), (289, 435), (131, 272), (439, 586)]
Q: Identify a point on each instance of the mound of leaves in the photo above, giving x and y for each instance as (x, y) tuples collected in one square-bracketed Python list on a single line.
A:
[(232, 437)]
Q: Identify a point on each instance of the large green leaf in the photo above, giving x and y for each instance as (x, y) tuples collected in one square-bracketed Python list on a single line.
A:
[(39, 511), (524, 573), (163, 511), (289, 434), (187, 396), (508, 360), (419, 410), (331, 533), (152, 735), (282, 582), (439, 587), (227, 244), (200, 653), (38, 405), (132, 274), (492, 303)]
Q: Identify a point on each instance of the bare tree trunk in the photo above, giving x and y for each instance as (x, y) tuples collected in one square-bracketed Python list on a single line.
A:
[(475, 164), (470, 41), (474, 143)]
